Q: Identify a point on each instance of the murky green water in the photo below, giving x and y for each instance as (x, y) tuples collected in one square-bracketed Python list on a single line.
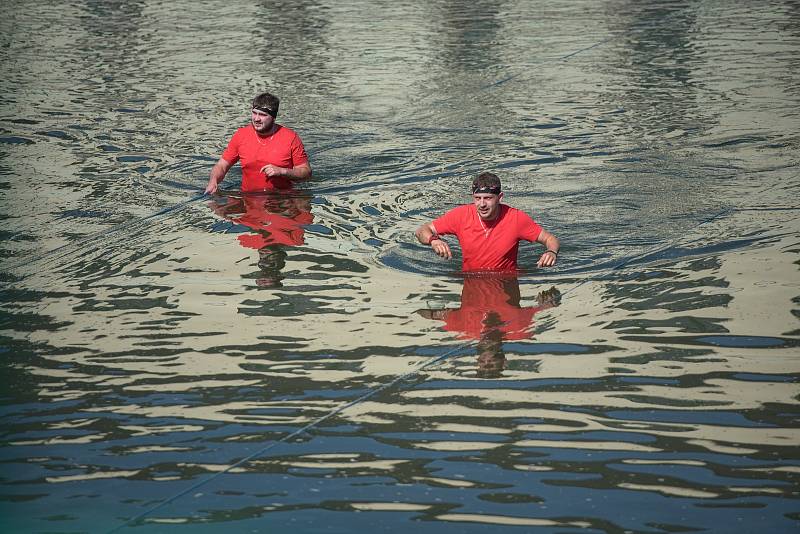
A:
[(173, 363)]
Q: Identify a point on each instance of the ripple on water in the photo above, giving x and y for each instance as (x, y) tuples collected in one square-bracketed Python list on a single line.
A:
[(153, 340)]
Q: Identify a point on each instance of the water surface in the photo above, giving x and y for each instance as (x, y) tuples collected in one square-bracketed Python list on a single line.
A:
[(174, 362)]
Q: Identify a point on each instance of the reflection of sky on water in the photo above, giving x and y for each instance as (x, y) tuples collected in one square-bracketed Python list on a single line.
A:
[(152, 354)]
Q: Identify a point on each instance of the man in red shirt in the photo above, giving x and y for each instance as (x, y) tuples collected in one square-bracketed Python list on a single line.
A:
[(489, 232), (271, 155)]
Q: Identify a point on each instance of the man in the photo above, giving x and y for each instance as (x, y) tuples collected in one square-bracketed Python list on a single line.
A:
[(489, 232), (271, 155)]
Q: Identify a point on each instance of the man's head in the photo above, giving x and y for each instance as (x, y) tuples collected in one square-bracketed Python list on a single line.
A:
[(265, 109), (486, 195), (491, 358)]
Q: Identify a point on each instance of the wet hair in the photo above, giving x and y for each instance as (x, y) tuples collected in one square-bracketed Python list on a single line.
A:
[(486, 182), (267, 103)]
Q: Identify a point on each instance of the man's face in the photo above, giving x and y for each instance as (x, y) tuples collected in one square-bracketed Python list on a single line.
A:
[(488, 205), (262, 122)]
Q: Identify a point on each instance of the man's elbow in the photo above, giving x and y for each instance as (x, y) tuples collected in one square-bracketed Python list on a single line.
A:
[(304, 172)]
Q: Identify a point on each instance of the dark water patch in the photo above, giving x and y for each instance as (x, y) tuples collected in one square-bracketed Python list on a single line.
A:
[(175, 184), (749, 341), (83, 214), (30, 322), (556, 348), (683, 323), (671, 402), (16, 140), (372, 242), (132, 158), (124, 303), (58, 134), (736, 341), (22, 497), (759, 377), (533, 162), (510, 498), (312, 394), (735, 141), (710, 417), (647, 381), (551, 384), (734, 505), (425, 437), (545, 125)]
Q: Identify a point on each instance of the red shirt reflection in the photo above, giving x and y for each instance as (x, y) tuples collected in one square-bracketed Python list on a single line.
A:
[(277, 219), (490, 306)]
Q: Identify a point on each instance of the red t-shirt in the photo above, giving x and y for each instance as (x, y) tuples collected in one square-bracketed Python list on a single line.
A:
[(488, 245), (283, 149)]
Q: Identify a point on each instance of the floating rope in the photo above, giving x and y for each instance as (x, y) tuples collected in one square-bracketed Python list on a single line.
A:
[(68, 249), (433, 361)]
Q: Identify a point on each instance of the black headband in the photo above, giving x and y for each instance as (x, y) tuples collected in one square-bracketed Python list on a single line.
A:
[(485, 190), (267, 111)]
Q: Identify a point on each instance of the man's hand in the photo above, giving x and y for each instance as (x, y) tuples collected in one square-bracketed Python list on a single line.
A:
[(548, 259), (273, 170), (218, 172), (552, 246), (441, 248)]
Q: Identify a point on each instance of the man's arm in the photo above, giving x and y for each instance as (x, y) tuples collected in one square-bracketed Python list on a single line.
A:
[(300, 172), (427, 235), (218, 173), (552, 244)]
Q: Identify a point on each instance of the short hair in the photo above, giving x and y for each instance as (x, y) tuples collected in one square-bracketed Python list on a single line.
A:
[(486, 180), (267, 100)]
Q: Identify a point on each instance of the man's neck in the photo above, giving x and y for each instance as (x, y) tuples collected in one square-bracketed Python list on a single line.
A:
[(271, 131)]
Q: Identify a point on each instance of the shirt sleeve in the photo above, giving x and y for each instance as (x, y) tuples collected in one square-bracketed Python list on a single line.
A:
[(449, 223), (527, 227), (298, 152), (231, 152)]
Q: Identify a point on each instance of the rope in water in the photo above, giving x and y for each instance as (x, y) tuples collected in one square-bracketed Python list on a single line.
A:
[(311, 425), (299, 431), (413, 372), (74, 246), (54, 255)]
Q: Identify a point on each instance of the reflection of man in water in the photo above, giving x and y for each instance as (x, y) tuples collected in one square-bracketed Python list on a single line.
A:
[(490, 312), (277, 221)]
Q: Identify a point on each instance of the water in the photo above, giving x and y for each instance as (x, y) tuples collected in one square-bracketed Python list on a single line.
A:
[(266, 364)]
